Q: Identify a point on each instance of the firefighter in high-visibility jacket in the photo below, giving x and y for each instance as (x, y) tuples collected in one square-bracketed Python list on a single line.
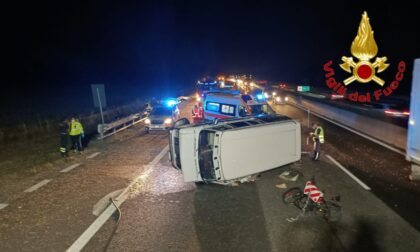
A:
[(197, 113), (318, 139), (76, 134)]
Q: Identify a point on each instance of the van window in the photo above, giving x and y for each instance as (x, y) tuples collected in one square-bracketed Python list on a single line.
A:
[(253, 122), (205, 148), (228, 109), (212, 106), (242, 111), (239, 124), (177, 153)]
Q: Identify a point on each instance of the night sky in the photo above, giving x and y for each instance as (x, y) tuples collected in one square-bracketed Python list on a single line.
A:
[(55, 50)]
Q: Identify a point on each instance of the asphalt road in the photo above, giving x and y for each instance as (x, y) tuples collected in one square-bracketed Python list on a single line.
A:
[(170, 215), (163, 213), (385, 171)]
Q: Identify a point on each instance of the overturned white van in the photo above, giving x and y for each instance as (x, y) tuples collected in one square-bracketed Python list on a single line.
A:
[(234, 148)]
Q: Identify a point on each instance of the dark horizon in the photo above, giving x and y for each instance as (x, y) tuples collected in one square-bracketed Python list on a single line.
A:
[(55, 51)]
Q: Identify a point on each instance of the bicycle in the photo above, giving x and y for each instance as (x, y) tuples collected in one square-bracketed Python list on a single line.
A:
[(311, 199)]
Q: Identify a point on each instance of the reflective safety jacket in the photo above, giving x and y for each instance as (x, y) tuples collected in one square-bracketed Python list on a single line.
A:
[(196, 112), (76, 128), (319, 134)]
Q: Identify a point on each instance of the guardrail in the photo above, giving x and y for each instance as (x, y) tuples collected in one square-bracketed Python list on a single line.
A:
[(388, 135), (109, 129)]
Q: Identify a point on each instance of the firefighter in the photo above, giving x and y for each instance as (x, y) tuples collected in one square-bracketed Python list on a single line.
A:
[(200, 111), (317, 138), (64, 136), (76, 134), (197, 113)]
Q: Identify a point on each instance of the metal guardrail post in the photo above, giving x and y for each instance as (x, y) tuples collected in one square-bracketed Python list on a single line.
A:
[(309, 113)]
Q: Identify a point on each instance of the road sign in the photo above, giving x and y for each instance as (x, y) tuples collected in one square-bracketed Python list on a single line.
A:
[(98, 92), (303, 88)]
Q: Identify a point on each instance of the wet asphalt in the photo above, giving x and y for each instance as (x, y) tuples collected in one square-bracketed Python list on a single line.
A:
[(171, 215)]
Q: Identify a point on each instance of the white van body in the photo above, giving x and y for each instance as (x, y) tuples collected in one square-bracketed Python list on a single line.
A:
[(234, 148)]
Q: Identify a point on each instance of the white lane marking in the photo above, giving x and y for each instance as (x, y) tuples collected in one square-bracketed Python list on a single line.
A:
[(100, 221), (348, 172), (354, 131), (71, 167), (93, 155), (3, 205), (37, 186)]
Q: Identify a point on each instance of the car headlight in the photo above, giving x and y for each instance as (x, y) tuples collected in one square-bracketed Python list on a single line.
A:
[(286, 99), (168, 121), (278, 99), (147, 121)]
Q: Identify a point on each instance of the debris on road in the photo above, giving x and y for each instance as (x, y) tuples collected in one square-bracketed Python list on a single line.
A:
[(236, 182), (281, 186), (289, 175), (251, 178)]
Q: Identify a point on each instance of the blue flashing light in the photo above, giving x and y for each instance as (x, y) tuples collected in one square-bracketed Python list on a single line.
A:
[(260, 97), (171, 102)]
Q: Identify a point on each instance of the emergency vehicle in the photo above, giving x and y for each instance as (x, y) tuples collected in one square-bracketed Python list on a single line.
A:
[(231, 103)]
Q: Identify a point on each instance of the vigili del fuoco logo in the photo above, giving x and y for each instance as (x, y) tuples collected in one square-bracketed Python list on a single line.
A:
[(365, 68)]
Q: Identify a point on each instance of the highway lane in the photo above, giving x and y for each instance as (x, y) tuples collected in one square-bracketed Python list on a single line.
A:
[(52, 217), (49, 211), (385, 171), (171, 215), (376, 110)]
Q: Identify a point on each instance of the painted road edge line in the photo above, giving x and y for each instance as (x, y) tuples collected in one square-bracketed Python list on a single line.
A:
[(71, 167), (93, 155), (37, 186), (3, 205), (352, 130), (348, 172), (81, 242)]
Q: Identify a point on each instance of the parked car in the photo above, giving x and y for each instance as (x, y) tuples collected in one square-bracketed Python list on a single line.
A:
[(161, 118)]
